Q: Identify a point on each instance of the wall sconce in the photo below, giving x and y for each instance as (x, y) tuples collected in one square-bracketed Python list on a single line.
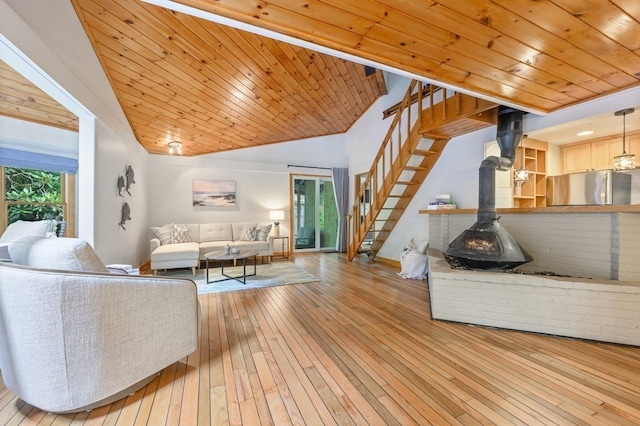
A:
[(276, 216), (175, 147), (624, 161)]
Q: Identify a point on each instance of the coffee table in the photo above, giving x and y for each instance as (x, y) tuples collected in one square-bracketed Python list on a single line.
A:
[(220, 256)]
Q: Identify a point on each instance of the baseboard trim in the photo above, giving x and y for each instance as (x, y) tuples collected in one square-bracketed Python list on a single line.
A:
[(390, 262)]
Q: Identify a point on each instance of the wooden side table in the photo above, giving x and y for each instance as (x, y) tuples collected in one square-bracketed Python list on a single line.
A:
[(284, 253)]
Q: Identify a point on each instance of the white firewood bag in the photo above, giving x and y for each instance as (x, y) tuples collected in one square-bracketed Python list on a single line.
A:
[(414, 262)]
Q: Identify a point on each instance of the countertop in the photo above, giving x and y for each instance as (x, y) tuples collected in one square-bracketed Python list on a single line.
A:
[(634, 208)]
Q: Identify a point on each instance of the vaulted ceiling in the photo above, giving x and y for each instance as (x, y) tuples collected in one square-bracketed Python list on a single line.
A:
[(539, 54), (214, 87)]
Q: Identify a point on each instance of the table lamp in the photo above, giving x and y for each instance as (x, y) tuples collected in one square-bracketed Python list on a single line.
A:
[(276, 216)]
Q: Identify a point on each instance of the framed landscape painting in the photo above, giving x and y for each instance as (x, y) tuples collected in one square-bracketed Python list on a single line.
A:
[(214, 193)]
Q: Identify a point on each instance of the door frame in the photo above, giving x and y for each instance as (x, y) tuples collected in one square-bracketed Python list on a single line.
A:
[(292, 212)]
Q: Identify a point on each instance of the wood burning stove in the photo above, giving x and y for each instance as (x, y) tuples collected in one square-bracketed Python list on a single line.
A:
[(486, 244)]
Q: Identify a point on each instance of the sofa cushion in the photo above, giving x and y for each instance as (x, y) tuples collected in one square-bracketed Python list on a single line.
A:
[(194, 231), (179, 234), (237, 229), (252, 245), (70, 254), (248, 233), (262, 232), (163, 233), (21, 228), (210, 246), (216, 232), (178, 251)]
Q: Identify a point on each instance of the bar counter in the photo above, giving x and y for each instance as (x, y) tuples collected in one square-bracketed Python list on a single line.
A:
[(627, 208)]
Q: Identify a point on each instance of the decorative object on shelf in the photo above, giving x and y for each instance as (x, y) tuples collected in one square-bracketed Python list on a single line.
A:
[(235, 250), (624, 161), (227, 249), (276, 216), (522, 174), (214, 193), (129, 176), (120, 185), (175, 147), (125, 215)]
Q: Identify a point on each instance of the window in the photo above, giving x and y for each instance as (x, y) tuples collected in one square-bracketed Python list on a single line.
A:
[(35, 195)]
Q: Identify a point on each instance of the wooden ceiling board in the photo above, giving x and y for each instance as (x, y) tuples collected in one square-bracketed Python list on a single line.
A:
[(596, 71), (540, 54), (20, 99), (217, 88)]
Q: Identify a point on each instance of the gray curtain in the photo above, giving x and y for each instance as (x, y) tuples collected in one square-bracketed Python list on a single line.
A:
[(341, 191)]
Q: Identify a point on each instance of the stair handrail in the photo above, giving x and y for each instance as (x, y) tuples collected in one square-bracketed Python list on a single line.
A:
[(372, 183)]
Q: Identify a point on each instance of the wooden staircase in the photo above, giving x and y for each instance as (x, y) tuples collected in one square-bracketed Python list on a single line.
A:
[(425, 121)]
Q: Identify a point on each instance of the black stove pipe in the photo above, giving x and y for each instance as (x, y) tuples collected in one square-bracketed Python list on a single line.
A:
[(509, 135)]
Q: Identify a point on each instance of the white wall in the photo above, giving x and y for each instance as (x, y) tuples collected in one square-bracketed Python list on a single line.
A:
[(34, 137), (324, 151), (259, 188), (261, 174), (51, 36), (456, 172)]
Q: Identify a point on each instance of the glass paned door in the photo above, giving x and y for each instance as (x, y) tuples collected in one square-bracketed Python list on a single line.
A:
[(315, 216)]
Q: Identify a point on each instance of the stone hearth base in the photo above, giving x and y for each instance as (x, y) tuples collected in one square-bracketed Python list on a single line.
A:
[(594, 309)]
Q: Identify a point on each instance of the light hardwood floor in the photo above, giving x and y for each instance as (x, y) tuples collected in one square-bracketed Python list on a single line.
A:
[(359, 347)]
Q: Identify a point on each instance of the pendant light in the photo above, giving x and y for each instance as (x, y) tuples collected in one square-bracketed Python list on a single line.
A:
[(624, 161), (522, 174)]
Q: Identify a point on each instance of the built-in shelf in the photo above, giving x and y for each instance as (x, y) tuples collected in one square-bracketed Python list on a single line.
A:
[(532, 193)]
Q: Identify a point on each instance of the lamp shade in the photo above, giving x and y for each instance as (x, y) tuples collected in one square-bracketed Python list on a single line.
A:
[(276, 215)]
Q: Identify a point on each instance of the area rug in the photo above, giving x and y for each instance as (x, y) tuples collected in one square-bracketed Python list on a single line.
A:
[(268, 275)]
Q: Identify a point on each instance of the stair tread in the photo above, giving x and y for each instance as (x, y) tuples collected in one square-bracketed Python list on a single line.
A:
[(423, 152), (414, 168)]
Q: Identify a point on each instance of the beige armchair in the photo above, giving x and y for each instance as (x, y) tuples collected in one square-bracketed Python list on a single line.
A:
[(75, 339)]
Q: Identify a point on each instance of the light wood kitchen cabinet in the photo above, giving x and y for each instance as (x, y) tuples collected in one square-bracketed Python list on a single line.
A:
[(602, 153), (532, 193), (597, 154), (633, 146), (576, 158)]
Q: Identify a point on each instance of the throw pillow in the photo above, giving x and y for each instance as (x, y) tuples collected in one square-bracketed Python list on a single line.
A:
[(22, 227), (248, 233), (179, 234), (262, 231), (163, 233), (69, 254)]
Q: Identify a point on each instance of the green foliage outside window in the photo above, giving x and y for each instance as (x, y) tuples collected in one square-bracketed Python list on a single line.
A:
[(33, 194)]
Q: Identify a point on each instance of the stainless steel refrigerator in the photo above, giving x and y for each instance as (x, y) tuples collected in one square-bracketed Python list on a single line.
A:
[(589, 188)]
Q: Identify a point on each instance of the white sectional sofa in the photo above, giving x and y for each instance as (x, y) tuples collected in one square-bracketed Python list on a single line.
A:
[(171, 249)]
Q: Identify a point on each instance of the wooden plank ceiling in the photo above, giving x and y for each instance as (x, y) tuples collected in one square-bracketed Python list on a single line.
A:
[(20, 99), (215, 88), (539, 54)]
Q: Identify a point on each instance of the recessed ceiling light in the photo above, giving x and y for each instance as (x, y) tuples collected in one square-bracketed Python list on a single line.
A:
[(585, 133)]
